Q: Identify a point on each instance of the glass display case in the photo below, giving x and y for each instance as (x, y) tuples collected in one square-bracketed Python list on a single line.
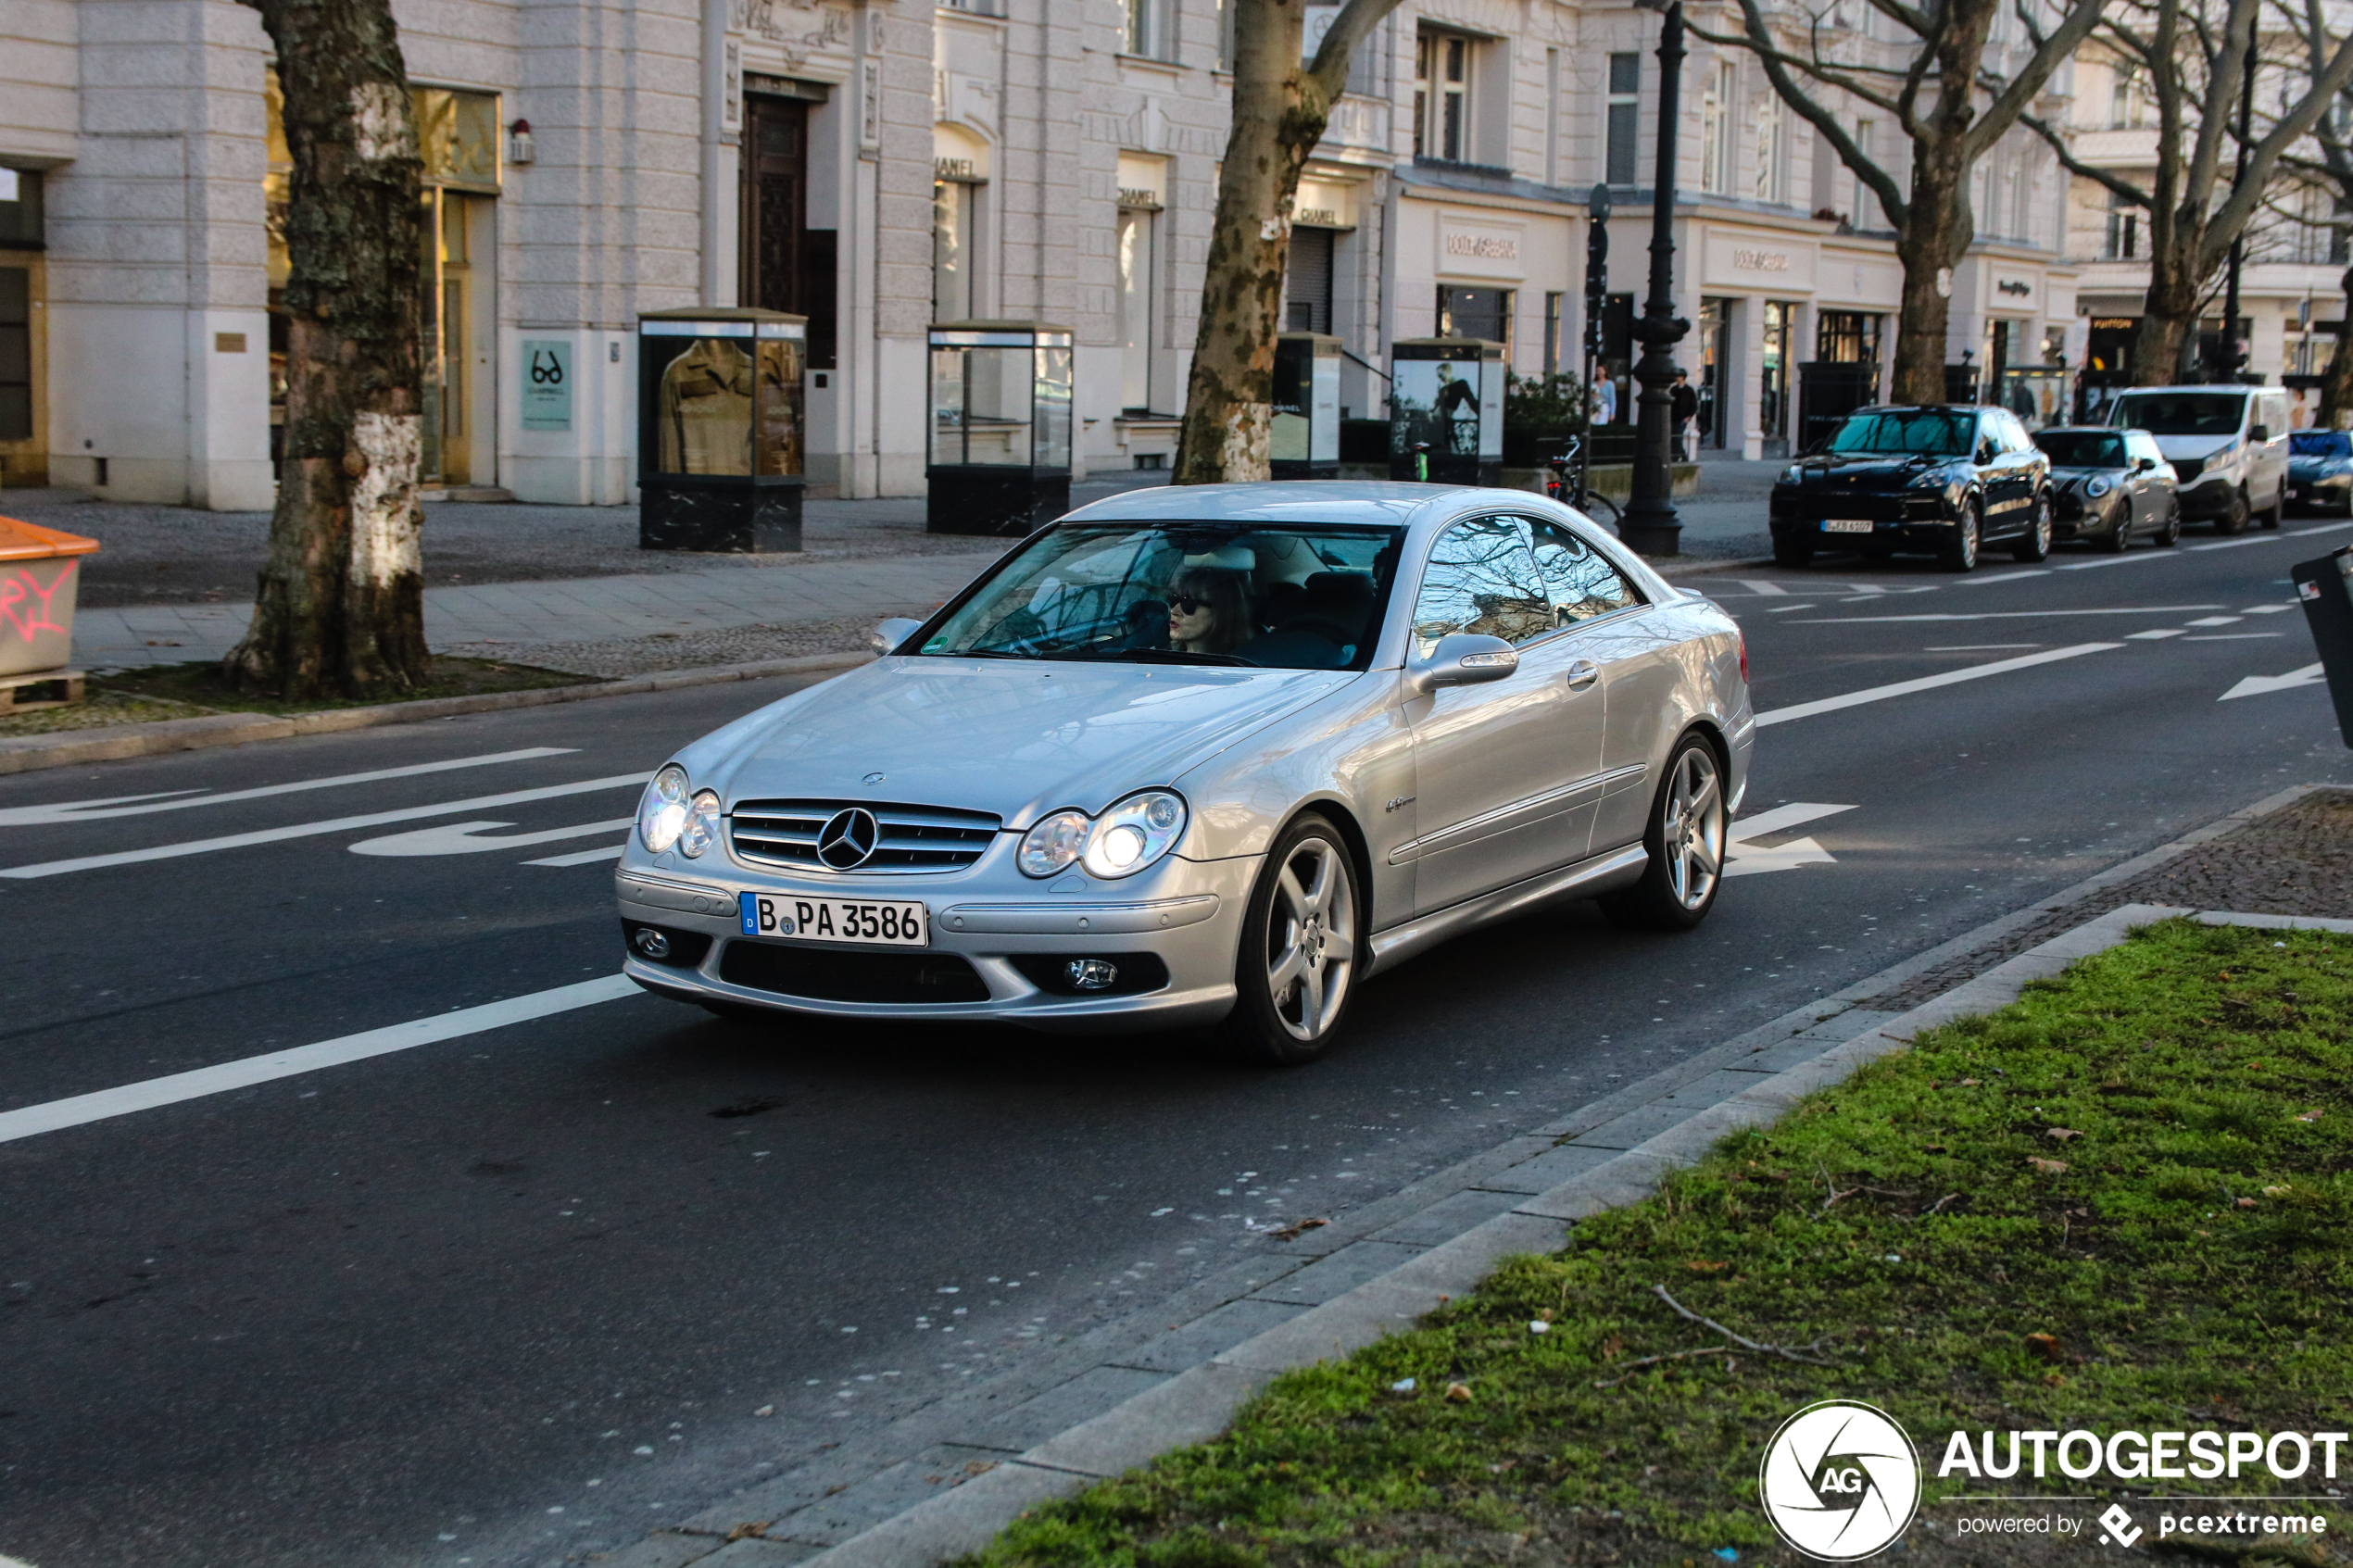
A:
[(1446, 411), (1304, 441), (720, 430), (1000, 413)]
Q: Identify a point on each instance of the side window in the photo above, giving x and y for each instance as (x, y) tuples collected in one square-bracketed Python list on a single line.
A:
[(1988, 429), (2014, 436), (1482, 578), (1578, 579)]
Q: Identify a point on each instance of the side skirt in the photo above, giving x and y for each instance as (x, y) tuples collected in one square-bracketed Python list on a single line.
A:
[(1601, 873)]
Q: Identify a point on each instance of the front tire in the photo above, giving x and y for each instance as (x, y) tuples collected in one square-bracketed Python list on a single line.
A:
[(1790, 550), (2170, 535), (2270, 516), (1959, 554), (2234, 517), (2118, 540), (1685, 839), (2036, 545), (1296, 971)]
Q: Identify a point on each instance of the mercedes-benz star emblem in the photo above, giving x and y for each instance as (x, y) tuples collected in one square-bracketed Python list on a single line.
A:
[(875, 778), (848, 838)]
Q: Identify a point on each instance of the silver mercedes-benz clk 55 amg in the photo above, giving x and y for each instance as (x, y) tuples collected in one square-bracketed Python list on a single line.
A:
[(1207, 755)]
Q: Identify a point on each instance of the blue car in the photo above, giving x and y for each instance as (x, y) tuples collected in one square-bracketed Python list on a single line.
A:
[(2319, 470)]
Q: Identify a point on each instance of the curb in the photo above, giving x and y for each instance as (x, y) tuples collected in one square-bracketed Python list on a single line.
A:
[(25, 754), (1370, 1277)]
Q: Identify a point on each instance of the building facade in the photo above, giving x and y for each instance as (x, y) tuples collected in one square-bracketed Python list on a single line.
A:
[(880, 166)]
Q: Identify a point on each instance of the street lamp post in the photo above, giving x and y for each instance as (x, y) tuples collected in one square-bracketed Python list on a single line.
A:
[(1650, 525)]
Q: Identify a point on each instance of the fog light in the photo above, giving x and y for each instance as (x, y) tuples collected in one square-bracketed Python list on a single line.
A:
[(1092, 974), (651, 942)]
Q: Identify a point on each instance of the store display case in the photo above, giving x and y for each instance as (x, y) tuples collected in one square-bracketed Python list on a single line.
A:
[(1001, 426), (720, 428), (1304, 441), (1446, 411)]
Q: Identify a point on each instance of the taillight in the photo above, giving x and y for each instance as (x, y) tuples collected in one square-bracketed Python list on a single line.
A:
[(1744, 641)]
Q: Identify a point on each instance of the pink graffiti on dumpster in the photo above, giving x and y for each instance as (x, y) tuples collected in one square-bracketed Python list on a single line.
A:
[(17, 592)]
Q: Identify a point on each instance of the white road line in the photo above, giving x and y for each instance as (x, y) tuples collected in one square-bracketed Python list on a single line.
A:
[(2236, 637), (1769, 590), (2324, 527), (2002, 615), (581, 856), (1780, 819), (1975, 647), (312, 830), (1743, 859), (81, 1109), (1927, 682), (2099, 562), (2257, 685), (182, 799), (2267, 609), (1782, 609), (2250, 539), (2217, 621), (2157, 635), (1988, 579), (467, 839)]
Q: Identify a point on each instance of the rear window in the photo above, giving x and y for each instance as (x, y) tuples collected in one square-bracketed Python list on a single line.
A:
[(2180, 413), (2081, 448)]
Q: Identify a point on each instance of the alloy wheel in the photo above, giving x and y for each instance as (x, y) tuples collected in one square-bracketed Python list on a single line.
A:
[(1693, 828), (1311, 939)]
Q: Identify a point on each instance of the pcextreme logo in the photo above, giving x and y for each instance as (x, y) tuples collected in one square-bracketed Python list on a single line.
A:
[(1840, 1481)]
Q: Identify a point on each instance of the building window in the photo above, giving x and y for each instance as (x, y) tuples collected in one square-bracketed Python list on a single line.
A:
[(1863, 128), (1476, 312), (1145, 30), (1847, 337), (20, 224), (2128, 99), (1716, 138), (1135, 323), (1768, 150), (1442, 96), (953, 252), (1625, 87), (1307, 282), (1553, 365), (2124, 239)]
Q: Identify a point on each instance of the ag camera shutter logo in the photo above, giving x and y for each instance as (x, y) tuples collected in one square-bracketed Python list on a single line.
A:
[(1840, 1481)]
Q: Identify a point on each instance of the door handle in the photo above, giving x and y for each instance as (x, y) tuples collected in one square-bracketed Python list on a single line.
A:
[(1583, 674)]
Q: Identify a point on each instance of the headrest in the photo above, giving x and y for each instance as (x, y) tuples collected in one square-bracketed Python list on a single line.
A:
[(1340, 587)]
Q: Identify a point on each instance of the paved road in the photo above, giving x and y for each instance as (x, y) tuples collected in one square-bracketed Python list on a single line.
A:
[(517, 1294)]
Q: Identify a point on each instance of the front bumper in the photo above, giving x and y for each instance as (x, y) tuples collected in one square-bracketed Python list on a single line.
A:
[(1917, 519), (2325, 490), (2074, 513), (2212, 496), (984, 922)]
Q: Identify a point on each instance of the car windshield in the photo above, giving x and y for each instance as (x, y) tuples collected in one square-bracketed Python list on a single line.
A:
[(2179, 413), (1296, 596), (1933, 432), (2321, 443), (2081, 448)]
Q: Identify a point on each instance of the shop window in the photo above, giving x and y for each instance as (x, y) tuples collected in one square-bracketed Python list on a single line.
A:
[(1135, 307), (1476, 312), (1307, 282), (1625, 87), (16, 354), (955, 251), (1847, 337), (1442, 96)]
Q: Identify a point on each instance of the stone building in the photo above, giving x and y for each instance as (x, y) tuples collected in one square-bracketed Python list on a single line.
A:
[(878, 166)]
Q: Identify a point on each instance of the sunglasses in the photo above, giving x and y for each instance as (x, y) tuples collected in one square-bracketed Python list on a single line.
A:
[(1189, 607)]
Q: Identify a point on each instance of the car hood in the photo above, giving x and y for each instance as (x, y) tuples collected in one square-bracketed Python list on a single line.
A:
[(1864, 471), (1014, 738), (2312, 465), (2071, 476), (2192, 445)]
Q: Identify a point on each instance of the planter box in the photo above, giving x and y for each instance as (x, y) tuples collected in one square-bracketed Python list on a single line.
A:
[(40, 577)]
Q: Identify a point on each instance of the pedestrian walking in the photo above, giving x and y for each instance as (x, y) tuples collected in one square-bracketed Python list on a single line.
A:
[(1684, 403)]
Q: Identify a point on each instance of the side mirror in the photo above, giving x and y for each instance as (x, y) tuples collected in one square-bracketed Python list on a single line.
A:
[(2146, 465), (2258, 432), (1985, 451), (893, 631), (1461, 658)]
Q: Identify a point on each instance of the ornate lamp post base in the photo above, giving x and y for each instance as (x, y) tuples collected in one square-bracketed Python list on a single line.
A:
[(1650, 525)]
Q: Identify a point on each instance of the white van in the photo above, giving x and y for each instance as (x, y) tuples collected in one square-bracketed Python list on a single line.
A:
[(2228, 445)]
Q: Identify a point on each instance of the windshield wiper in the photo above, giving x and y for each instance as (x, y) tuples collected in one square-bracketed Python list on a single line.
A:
[(979, 653), (1152, 656)]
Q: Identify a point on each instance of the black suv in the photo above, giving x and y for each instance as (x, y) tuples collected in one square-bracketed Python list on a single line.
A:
[(1944, 481)]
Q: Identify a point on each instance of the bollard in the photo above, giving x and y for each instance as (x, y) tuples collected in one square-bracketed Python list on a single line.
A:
[(2322, 588)]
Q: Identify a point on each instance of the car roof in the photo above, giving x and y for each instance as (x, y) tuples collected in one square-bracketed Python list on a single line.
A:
[(1380, 503), (2084, 430), (2198, 386), (1921, 408)]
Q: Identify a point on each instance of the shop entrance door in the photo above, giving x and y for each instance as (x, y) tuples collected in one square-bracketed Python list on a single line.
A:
[(455, 342), (1715, 321), (1772, 390), (784, 263)]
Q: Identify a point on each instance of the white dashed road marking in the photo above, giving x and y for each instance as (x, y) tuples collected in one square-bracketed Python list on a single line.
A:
[(467, 838), (181, 800), (1927, 682)]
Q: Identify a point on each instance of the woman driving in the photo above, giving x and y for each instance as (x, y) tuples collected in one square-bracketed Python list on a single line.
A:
[(1208, 612)]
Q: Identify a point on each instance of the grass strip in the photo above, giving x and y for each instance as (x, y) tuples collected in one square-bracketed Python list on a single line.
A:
[(2118, 1203)]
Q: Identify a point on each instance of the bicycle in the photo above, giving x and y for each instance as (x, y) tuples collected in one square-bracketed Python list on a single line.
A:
[(1560, 485)]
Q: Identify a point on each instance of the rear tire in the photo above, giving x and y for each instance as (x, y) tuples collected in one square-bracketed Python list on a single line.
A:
[(2270, 515), (1685, 839), (1959, 553), (1790, 551), (2036, 545), (1302, 945)]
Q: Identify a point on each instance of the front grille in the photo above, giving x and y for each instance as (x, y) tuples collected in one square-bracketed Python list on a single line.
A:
[(912, 838), (1813, 506), (2187, 468), (829, 975)]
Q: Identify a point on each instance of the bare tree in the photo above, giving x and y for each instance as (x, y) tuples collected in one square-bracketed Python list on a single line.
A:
[(1280, 108), (2194, 76), (340, 605), (2331, 170), (1951, 109)]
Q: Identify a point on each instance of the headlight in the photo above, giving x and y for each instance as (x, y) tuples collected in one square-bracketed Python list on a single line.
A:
[(702, 825), (1933, 478), (663, 811), (2097, 486), (1792, 474), (1122, 841)]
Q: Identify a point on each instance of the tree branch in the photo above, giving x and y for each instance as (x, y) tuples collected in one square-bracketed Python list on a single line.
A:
[(2116, 184), (1758, 41), (1329, 71), (2012, 101)]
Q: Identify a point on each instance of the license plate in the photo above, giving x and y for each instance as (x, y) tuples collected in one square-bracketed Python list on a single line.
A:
[(1847, 525), (877, 923)]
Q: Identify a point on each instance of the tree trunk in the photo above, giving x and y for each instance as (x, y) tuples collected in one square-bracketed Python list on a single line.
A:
[(1229, 396), (1939, 230), (2169, 311), (2336, 391), (339, 608)]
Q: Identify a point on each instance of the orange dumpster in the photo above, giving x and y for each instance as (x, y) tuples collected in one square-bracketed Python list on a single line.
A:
[(40, 578)]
